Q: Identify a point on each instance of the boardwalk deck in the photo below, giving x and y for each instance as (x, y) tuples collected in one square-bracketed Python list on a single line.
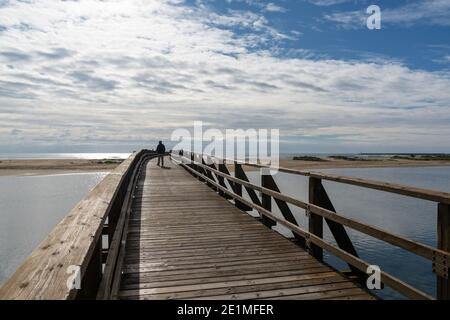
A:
[(186, 242)]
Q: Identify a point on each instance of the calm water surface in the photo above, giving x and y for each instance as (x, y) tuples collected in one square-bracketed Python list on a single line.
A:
[(30, 206), (84, 156), (412, 218)]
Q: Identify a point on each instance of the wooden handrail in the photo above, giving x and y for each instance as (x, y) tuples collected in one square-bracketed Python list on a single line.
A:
[(420, 249), (73, 245), (360, 264), (439, 257), (420, 193), (108, 287)]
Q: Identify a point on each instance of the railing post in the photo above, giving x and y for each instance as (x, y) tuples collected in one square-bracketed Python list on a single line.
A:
[(315, 223), (266, 201), (443, 243), (319, 197)]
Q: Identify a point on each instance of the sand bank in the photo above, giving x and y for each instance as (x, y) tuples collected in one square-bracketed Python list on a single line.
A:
[(55, 166)]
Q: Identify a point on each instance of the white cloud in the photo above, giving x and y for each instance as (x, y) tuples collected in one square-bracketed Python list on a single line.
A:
[(272, 7), (329, 2), (93, 72)]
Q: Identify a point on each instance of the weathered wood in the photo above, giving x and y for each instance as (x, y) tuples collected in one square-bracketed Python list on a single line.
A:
[(223, 169), (240, 174), (208, 173), (356, 262), (425, 194), (266, 202), (315, 222), (180, 251), (151, 282), (423, 250), (73, 242), (318, 196), (93, 275), (219, 178), (443, 243), (268, 182), (238, 188), (420, 193), (108, 286)]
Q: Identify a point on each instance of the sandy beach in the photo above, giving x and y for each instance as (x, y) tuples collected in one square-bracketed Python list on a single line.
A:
[(376, 163), (62, 166), (55, 166)]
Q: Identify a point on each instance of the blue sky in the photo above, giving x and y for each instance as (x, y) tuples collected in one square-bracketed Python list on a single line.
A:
[(93, 75)]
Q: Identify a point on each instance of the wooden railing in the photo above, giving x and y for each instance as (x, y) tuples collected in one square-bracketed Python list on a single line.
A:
[(214, 172), (71, 262)]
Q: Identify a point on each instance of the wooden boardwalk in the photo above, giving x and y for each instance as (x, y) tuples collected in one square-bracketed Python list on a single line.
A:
[(186, 242)]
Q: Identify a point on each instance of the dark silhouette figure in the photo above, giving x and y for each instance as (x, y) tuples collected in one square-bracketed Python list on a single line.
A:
[(160, 150)]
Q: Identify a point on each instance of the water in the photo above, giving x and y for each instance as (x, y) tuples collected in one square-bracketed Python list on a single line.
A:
[(413, 218), (85, 156), (30, 207)]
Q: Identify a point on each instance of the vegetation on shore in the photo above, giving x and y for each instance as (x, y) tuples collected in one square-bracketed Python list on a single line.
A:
[(417, 157), (309, 158)]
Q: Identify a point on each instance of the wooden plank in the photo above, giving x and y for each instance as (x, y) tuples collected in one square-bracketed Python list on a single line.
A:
[(222, 270), (170, 281), (315, 222), (183, 261), (328, 295), (362, 265), (443, 243), (240, 174), (191, 246), (319, 197), (43, 275), (207, 290), (266, 202), (288, 293), (237, 187)]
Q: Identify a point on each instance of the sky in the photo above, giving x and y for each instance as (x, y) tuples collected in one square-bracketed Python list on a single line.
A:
[(116, 76)]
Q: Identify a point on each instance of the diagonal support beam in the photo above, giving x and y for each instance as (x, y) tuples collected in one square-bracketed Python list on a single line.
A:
[(238, 188), (223, 168), (240, 174), (319, 197), (268, 182)]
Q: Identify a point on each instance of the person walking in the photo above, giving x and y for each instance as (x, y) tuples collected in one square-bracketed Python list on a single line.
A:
[(161, 150)]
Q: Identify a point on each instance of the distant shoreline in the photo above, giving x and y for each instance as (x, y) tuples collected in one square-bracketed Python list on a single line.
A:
[(376, 163), (33, 167)]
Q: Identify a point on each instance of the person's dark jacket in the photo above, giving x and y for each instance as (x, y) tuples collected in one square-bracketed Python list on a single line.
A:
[(160, 149)]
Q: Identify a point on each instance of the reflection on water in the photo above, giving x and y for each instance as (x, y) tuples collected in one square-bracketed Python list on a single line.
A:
[(412, 218), (84, 156), (31, 206), (29, 209)]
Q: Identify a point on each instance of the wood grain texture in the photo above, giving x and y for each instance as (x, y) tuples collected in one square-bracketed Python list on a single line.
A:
[(43, 275), (187, 242)]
